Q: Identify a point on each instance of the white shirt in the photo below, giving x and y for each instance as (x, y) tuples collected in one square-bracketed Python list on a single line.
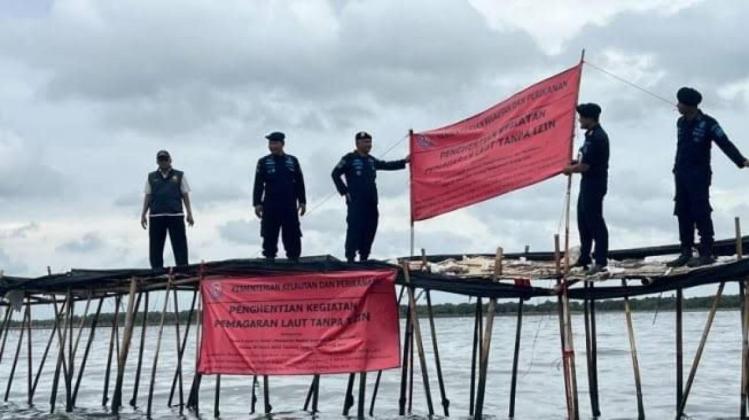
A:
[(184, 187)]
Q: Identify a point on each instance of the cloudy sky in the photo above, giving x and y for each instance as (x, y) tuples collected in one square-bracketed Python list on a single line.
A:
[(90, 90)]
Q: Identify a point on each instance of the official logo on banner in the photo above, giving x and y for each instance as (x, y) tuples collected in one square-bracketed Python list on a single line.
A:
[(423, 142), (215, 291)]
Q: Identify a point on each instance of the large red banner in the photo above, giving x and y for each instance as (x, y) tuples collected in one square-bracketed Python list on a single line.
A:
[(516, 143), (294, 324)]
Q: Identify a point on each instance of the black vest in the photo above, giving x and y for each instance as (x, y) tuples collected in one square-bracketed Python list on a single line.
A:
[(166, 193)]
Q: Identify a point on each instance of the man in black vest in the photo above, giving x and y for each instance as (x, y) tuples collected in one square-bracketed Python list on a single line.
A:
[(166, 189), (692, 173), (593, 165), (279, 199), (360, 170)]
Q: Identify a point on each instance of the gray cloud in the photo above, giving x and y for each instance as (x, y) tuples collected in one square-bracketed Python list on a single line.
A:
[(23, 173), (241, 232), (88, 243)]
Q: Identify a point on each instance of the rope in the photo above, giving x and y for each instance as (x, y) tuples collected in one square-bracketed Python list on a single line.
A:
[(632, 84), (330, 195)]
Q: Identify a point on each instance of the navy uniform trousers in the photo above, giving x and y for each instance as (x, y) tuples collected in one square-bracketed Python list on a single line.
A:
[(591, 224)]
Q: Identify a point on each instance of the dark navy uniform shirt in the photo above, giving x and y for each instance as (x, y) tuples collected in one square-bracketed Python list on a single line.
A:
[(360, 173), (595, 153), (278, 181), (695, 139)]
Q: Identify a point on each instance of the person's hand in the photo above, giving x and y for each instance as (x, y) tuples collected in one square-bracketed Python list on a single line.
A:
[(144, 221), (567, 170), (190, 220), (408, 159), (259, 211), (302, 209)]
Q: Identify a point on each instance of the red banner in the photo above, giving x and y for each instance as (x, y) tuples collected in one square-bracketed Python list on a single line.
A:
[(295, 324), (516, 143)]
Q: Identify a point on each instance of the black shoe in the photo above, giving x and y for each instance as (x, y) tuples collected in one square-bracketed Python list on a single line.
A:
[(580, 263), (702, 260), (596, 269), (679, 262)]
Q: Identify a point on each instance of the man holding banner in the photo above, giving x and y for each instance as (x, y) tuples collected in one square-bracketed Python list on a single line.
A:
[(360, 170), (593, 165)]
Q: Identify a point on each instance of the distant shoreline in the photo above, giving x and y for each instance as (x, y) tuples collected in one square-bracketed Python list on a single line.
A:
[(442, 310)]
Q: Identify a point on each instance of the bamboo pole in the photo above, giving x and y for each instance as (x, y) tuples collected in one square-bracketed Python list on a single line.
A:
[(348, 401), (374, 393), (194, 397), (435, 347), (44, 358), (474, 352), (633, 352), (744, 324), (8, 320), (63, 313), (158, 347), (437, 361), (181, 352), (178, 370), (562, 332), (515, 359), (588, 347), (125, 348), (266, 395), (217, 398), (18, 353), (404, 361), (311, 391), (254, 394), (487, 342), (703, 340), (112, 339), (139, 364), (71, 367), (419, 342), (29, 364), (679, 350), (594, 354), (362, 395), (89, 343)]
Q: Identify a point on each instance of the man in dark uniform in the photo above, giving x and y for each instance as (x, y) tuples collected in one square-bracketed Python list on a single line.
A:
[(593, 165), (279, 199), (166, 189), (360, 170), (692, 173)]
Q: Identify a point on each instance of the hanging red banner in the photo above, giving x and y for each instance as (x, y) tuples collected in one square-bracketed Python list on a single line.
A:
[(301, 323), (516, 143)]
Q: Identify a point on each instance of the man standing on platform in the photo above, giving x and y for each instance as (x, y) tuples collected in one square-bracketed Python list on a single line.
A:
[(166, 189), (593, 165), (360, 171), (692, 174), (279, 199)]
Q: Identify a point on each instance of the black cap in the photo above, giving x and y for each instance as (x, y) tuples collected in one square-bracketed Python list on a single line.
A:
[(276, 136), (689, 96), (363, 135), (162, 154), (590, 110)]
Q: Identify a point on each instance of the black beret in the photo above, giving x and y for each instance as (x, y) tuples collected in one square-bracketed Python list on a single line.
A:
[(276, 136), (589, 110), (363, 135), (689, 96)]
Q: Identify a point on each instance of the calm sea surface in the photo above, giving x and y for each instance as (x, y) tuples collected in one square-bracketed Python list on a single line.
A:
[(715, 393)]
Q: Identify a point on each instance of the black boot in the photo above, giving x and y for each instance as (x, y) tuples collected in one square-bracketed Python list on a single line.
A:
[(683, 259), (701, 261)]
